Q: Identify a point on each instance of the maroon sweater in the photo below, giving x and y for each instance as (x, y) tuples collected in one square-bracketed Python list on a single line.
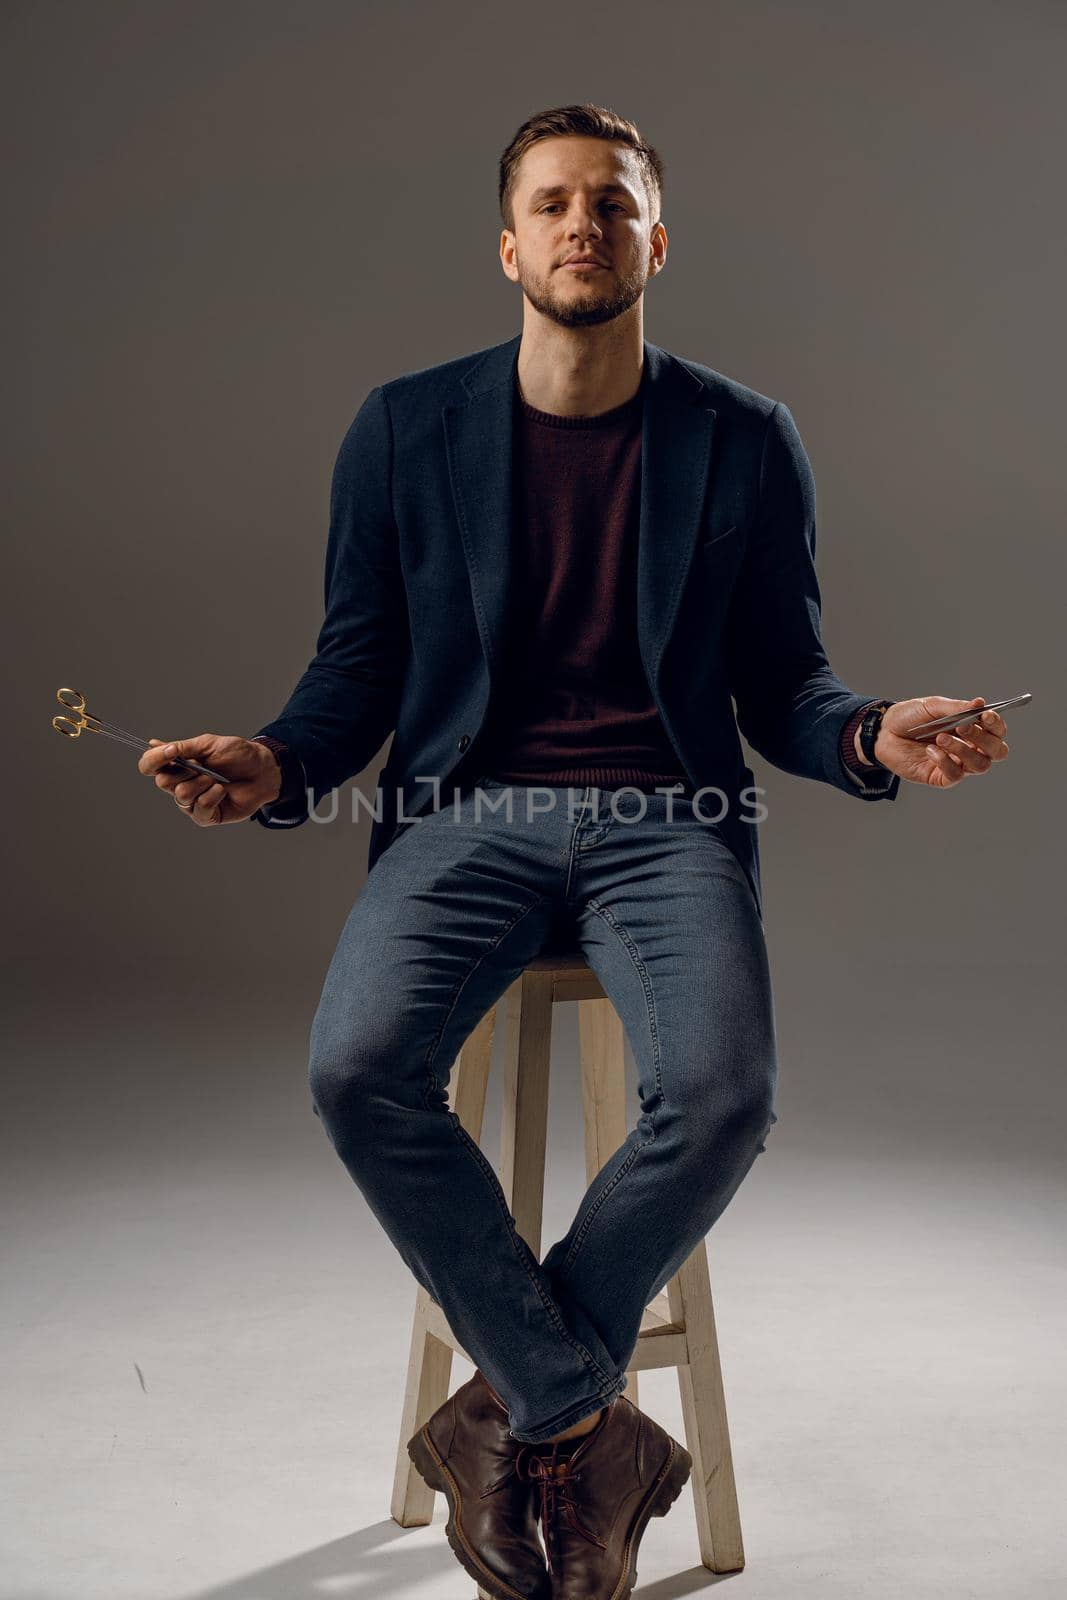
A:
[(573, 704)]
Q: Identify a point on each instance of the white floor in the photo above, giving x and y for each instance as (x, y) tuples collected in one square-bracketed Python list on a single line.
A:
[(205, 1337)]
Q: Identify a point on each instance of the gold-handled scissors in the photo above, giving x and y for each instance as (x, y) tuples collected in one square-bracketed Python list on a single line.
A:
[(84, 721)]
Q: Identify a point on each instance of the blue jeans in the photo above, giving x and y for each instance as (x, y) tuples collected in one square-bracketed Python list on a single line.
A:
[(450, 915)]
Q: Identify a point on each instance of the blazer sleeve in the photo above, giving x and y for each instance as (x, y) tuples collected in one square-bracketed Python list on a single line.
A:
[(345, 704), (791, 707)]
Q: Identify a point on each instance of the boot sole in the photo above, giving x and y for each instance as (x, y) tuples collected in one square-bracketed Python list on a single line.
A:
[(433, 1472), (672, 1479)]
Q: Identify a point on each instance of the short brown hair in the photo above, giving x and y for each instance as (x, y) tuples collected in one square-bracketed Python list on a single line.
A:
[(589, 122)]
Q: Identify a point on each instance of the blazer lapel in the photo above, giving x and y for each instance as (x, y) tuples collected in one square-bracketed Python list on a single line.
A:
[(479, 445), (675, 458)]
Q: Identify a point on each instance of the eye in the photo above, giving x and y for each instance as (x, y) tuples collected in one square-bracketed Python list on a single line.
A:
[(555, 204)]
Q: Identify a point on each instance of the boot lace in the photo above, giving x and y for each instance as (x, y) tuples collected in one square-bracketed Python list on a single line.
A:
[(555, 1480)]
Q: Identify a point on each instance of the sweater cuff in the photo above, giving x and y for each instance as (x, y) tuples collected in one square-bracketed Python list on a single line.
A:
[(876, 774), (292, 793)]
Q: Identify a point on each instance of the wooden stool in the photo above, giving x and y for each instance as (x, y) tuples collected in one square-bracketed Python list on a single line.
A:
[(678, 1328)]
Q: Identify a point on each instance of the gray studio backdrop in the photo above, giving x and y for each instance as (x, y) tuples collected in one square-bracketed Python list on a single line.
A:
[(230, 222), (225, 224)]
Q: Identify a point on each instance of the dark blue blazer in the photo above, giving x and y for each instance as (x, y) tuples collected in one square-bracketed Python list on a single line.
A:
[(416, 593)]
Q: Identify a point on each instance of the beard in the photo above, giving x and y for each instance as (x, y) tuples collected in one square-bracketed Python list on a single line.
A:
[(587, 306)]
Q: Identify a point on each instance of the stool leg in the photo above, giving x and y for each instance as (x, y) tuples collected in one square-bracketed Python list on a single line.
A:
[(430, 1360), (707, 1433), (601, 1047), (429, 1375), (470, 1077)]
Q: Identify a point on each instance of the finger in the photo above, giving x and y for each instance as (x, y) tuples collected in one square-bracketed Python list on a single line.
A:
[(147, 763), (983, 738), (205, 809), (941, 704), (956, 749), (965, 705), (970, 759), (184, 789), (158, 755), (950, 770), (966, 730), (186, 803)]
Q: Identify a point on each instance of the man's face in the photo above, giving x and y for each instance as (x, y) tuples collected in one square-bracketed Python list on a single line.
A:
[(581, 197)]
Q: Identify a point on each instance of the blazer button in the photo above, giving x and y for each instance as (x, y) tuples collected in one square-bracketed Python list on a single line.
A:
[(465, 741)]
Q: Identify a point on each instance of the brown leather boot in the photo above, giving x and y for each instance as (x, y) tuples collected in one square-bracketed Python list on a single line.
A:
[(596, 1502), (467, 1452)]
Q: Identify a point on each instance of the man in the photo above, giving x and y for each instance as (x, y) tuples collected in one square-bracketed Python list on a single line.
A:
[(551, 564)]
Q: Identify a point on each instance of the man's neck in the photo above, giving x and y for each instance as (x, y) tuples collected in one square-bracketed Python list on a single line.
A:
[(579, 372)]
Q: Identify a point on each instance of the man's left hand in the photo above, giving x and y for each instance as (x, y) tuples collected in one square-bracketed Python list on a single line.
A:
[(957, 753)]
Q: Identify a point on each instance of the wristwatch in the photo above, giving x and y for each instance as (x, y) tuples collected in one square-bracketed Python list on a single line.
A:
[(869, 729)]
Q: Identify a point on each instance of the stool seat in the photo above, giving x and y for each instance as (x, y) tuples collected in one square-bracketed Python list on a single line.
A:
[(678, 1328), (563, 961)]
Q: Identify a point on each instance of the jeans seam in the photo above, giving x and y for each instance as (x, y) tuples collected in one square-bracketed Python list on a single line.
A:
[(631, 949), (431, 1082), (522, 1249)]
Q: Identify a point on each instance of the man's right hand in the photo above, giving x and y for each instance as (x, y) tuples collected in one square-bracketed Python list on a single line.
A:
[(253, 770)]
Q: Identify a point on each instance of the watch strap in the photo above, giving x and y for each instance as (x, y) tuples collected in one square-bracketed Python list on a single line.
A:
[(870, 726)]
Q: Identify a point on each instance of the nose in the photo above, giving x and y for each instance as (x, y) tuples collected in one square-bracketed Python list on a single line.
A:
[(583, 225)]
